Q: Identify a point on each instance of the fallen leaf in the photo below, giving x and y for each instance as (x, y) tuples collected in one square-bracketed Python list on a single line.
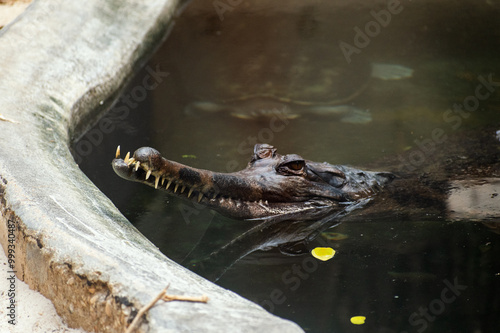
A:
[(358, 320), (323, 253)]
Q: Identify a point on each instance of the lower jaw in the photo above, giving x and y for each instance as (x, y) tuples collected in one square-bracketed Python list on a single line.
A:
[(249, 210), (264, 210)]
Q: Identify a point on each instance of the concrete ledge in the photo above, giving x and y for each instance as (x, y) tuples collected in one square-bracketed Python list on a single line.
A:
[(63, 62)]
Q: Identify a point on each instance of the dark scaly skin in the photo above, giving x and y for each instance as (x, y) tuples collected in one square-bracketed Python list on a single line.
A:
[(272, 184)]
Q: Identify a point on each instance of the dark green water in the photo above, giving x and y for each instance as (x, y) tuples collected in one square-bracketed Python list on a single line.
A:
[(433, 276)]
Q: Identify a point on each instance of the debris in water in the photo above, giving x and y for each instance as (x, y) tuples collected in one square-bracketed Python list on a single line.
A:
[(323, 253), (358, 320), (334, 236)]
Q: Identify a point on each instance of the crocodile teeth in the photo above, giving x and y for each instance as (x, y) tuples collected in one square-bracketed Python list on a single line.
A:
[(190, 192), (117, 155), (168, 184), (156, 181), (137, 165), (127, 157), (162, 180), (148, 174), (200, 196), (130, 160), (183, 188), (176, 186)]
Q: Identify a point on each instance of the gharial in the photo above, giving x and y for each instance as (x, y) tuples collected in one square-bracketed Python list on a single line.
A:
[(271, 185)]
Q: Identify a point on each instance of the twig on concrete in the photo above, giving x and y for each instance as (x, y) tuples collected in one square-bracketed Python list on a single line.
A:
[(200, 299), (167, 298), (144, 309), (2, 118)]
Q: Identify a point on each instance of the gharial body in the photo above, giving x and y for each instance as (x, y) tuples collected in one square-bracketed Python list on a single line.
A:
[(275, 185)]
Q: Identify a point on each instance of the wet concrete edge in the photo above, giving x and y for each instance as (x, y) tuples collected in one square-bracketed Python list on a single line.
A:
[(62, 64)]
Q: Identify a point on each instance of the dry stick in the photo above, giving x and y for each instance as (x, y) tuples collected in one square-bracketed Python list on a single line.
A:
[(141, 312), (7, 119), (201, 299), (167, 298)]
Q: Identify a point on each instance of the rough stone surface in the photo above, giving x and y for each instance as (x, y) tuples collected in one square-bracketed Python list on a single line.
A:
[(63, 62)]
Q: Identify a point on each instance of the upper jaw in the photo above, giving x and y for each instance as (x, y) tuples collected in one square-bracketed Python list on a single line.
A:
[(145, 166)]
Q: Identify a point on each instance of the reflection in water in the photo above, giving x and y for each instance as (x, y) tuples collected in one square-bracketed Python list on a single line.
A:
[(291, 236), (397, 272)]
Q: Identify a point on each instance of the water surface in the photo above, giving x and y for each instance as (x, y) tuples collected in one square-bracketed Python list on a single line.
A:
[(408, 276)]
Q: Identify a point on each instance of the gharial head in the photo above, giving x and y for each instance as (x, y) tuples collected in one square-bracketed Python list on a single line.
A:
[(271, 185)]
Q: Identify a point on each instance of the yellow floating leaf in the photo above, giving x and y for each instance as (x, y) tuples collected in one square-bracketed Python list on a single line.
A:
[(323, 253), (358, 320)]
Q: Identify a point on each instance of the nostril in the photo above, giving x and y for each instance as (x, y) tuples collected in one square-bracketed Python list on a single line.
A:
[(148, 156), (144, 154)]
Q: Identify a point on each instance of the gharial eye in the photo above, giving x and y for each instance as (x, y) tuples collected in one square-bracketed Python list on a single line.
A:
[(296, 165), (292, 165)]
